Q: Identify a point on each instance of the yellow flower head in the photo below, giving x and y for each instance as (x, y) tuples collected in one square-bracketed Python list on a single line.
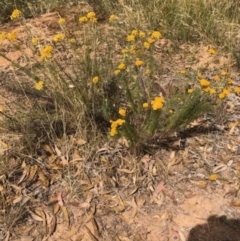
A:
[(61, 21), (134, 32), (93, 20), (120, 122), (15, 14), (122, 111), (58, 37), (114, 125), (132, 49), (224, 73), (221, 95), (131, 38), (212, 51), (183, 72), (237, 89), (124, 51), (156, 34), (141, 34), (199, 75), (91, 15), (39, 85), (206, 89), (145, 105), (46, 52), (12, 36), (117, 71), (229, 81), (3, 35), (171, 111), (190, 91), (121, 66), (35, 41), (72, 40), (226, 92), (204, 83), (113, 132), (83, 19), (216, 78), (139, 62), (157, 103), (213, 177), (112, 18), (95, 79), (147, 71), (150, 40), (146, 45), (212, 91)]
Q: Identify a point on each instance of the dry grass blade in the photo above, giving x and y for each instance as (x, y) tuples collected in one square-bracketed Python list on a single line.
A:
[(65, 214)]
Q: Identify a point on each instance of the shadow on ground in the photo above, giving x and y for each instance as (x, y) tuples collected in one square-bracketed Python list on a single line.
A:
[(216, 229)]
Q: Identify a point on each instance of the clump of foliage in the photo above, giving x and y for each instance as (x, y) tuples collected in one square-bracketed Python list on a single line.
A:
[(104, 81)]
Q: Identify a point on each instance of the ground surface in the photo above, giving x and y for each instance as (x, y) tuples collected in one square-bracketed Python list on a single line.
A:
[(111, 195)]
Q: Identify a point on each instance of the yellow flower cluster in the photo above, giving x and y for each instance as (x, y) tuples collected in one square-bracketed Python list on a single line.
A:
[(199, 74), (237, 89), (3, 35), (95, 79), (15, 14), (112, 18), (212, 51), (213, 177), (205, 85), (146, 45), (131, 38), (229, 81), (91, 17), (72, 40), (216, 78), (139, 63), (35, 41), (120, 67), (39, 85), (83, 19), (224, 93), (61, 21), (151, 39), (156, 35), (11, 36), (114, 126), (58, 37), (46, 52), (157, 103), (212, 91), (147, 71), (224, 73), (122, 112), (183, 71), (145, 105)]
